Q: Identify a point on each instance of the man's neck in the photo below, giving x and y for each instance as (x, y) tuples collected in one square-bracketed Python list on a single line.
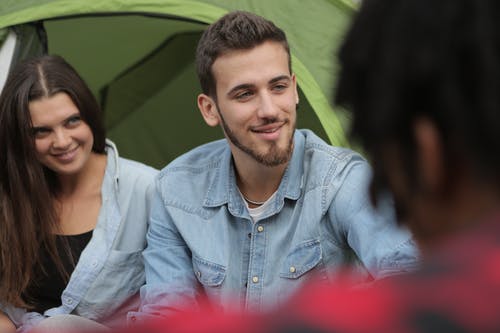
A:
[(468, 203), (257, 181)]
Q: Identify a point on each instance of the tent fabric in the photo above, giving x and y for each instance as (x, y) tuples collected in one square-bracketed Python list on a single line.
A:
[(137, 57)]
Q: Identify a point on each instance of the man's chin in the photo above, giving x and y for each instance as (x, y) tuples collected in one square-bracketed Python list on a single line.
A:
[(274, 159)]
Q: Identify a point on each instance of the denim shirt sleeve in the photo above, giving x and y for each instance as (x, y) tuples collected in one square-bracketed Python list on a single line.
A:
[(23, 320), (170, 280), (382, 246)]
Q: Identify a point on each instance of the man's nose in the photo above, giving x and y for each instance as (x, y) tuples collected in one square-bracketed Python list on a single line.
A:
[(267, 107)]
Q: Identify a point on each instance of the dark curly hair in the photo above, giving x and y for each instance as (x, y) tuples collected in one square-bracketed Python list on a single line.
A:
[(438, 59)]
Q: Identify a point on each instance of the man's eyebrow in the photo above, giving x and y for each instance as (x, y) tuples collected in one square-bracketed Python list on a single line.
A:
[(280, 78), (240, 87)]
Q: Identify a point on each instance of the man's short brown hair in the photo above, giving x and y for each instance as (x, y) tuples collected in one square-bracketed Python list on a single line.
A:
[(237, 30)]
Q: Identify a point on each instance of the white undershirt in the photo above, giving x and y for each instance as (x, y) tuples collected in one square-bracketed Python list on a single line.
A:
[(257, 212)]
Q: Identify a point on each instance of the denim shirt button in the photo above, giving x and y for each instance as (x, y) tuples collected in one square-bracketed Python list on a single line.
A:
[(260, 228), (292, 269), (255, 279), (198, 274), (69, 301)]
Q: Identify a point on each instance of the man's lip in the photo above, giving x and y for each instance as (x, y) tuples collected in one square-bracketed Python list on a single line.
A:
[(269, 128)]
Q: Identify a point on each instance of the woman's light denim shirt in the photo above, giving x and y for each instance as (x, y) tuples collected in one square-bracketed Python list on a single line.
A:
[(202, 240), (105, 283)]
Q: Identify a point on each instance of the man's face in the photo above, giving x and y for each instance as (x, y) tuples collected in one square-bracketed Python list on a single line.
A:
[(256, 102)]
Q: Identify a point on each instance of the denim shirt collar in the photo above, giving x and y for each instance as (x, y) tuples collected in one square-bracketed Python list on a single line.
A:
[(224, 190), (112, 167), (109, 192)]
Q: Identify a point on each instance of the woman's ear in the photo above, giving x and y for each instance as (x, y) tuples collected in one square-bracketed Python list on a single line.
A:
[(430, 165), (208, 109)]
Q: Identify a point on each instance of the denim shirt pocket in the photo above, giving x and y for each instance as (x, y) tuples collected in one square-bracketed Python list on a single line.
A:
[(209, 274), (305, 257), (301, 259), (115, 289)]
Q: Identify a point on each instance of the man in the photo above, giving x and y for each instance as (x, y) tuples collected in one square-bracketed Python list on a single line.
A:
[(248, 220)]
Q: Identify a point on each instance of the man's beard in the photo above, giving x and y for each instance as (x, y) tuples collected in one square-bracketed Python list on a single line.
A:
[(272, 158)]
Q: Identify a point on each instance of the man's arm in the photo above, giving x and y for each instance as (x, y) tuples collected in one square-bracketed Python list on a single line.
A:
[(6, 325), (373, 234), (170, 280)]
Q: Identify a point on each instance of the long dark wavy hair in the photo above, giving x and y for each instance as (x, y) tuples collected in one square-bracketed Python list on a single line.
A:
[(28, 220)]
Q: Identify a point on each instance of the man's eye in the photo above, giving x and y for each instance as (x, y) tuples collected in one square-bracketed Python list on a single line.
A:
[(280, 87), (244, 95)]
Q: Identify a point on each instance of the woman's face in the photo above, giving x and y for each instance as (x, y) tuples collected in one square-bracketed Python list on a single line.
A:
[(63, 140)]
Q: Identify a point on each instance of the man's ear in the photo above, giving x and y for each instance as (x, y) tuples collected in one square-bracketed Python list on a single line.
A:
[(208, 109), (294, 80), (430, 164)]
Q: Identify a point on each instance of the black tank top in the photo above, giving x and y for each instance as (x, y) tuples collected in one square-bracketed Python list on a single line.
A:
[(46, 287)]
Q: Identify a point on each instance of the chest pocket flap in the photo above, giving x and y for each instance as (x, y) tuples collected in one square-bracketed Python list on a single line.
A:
[(208, 273), (301, 259)]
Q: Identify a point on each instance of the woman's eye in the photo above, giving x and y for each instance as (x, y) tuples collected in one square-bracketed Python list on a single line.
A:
[(73, 121), (40, 132)]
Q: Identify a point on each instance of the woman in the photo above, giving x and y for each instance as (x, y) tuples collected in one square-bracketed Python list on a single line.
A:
[(73, 215)]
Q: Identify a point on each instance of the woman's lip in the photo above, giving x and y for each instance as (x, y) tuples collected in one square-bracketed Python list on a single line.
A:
[(67, 155)]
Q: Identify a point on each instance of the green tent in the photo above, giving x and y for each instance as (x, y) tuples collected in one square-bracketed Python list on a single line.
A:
[(138, 58)]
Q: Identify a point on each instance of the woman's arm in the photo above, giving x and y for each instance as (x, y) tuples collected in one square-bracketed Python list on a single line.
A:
[(6, 325)]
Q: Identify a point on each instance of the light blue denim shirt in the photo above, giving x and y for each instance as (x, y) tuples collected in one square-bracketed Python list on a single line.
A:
[(105, 283), (202, 241)]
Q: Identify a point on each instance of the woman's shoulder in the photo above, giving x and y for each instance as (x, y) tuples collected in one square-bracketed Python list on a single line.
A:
[(134, 169), (126, 168)]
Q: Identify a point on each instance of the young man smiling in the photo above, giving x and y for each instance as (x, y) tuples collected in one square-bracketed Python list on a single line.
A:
[(248, 220)]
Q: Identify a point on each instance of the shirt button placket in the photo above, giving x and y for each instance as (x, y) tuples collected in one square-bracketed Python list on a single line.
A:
[(257, 266)]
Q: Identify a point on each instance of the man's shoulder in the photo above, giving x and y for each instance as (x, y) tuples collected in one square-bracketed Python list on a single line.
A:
[(199, 160), (185, 181), (317, 151)]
